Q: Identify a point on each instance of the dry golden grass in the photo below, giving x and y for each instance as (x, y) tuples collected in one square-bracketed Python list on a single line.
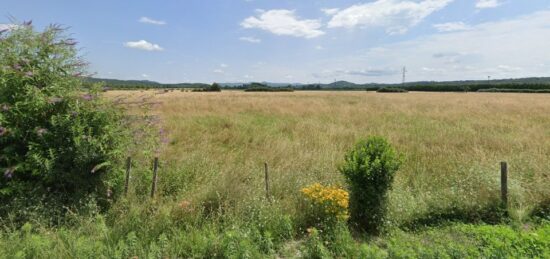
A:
[(452, 142)]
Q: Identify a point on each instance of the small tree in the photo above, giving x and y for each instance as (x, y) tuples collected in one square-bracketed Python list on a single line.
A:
[(369, 170), (57, 138), (215, 88)]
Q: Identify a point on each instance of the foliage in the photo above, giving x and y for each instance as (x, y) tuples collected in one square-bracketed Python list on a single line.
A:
[(391, 90), (501, 90), (369, 170), (215, 87), (314, 247), (325, 205), (139, 84), (258, 87), (57, 139)]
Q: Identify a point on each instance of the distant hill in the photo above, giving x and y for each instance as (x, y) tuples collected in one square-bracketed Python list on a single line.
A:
[(129, 84), (466, 85)]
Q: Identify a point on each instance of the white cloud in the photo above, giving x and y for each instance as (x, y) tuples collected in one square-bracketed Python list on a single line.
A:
[(506, 68), (284, 22), (151, 21), (223, 65), (319, 47), (143, 45), (452, 26), (218, 71), (250, 39), (482, 4), (393, 15), (330, 11), (501, 49), (145, 75), (369, 72)]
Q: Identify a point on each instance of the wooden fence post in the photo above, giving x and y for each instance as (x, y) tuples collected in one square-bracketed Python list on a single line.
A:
[(504, 184), (266, 182), (154, 185), (128, 168)]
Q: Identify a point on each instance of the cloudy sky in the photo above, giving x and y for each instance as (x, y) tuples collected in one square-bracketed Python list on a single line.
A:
[(301, 40)]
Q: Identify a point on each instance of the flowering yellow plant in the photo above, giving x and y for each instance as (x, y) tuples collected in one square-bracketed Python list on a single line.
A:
[(329, 200)]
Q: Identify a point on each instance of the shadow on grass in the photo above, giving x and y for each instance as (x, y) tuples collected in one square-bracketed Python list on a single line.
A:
[(542, 211), (490, 214)]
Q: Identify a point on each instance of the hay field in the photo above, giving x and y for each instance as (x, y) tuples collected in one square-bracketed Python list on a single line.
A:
[(452, 144)]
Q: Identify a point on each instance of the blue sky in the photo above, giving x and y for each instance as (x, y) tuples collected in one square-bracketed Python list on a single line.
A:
[(301, 40)]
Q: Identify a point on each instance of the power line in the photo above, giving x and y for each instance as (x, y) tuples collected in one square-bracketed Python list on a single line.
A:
[(404, 74)]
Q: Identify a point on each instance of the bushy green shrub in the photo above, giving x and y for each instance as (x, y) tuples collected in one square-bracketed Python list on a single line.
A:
[(369, 170), (57, 138)]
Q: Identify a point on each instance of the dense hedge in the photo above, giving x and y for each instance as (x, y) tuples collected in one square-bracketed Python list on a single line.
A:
[(500, 90), (391, 90), (269, 89)]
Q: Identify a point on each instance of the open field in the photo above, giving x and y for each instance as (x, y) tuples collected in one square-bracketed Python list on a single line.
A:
[(211, 200), (452, 143)]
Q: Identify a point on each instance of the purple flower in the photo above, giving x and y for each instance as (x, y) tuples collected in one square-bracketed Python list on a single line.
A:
[(17, 67), (29, 74), (87, 97), (41, 131), (73, 113), (3, 131), (54, 100), (8, 174)]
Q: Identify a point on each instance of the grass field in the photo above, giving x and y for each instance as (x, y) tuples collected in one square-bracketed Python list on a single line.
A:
[(211, 194), (452, 142)]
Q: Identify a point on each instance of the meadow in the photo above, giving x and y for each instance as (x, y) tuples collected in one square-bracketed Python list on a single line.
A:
[(211, 195), (452, 143)]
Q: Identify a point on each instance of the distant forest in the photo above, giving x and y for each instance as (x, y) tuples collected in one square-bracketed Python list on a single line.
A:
[(522, 84)]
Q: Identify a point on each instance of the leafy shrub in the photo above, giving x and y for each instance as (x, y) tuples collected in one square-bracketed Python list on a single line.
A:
[(391, 90), (325, 205), (369, 170), (57, 139)]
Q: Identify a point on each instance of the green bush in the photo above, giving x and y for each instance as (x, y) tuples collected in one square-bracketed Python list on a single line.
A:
[(57, 139), (369, 170)]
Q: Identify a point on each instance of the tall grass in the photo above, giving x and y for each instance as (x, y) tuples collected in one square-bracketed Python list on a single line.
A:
[(453, 144), (211, 201)]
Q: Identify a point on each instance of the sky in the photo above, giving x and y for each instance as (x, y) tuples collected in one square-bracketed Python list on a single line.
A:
[(301, 41)]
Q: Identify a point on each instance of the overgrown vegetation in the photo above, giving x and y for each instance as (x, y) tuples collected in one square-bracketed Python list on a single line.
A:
[(60, 143)]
